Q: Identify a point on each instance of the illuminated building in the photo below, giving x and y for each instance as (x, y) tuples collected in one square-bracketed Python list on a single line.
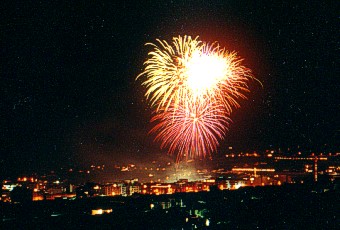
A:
[(123, 189), (161, 189), (54, 190), (112, 190), (135, 188)]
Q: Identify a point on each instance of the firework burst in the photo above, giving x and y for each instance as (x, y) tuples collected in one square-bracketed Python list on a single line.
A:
[(195, 71), (194, 130), (193, 87)]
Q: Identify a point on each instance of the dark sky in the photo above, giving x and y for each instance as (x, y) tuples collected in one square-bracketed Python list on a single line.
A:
[(68, 89)]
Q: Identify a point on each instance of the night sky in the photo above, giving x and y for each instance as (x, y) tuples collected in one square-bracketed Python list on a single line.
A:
[(69, 95)]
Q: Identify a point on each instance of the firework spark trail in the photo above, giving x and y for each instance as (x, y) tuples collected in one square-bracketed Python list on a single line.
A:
[(164, 71), (193, 87), (192, 130)]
